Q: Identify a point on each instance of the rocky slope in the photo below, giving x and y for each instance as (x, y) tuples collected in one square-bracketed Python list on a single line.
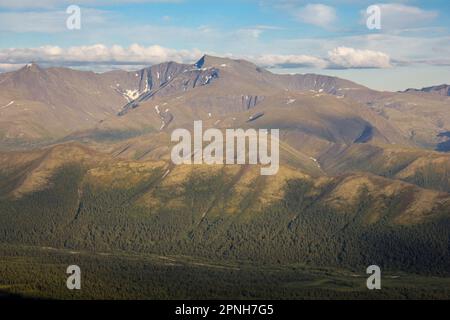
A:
[(443, 90)]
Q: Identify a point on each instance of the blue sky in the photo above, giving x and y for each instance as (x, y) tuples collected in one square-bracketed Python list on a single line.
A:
[(412, 48)]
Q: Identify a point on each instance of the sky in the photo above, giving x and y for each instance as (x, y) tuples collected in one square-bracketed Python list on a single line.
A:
[(411, 47)]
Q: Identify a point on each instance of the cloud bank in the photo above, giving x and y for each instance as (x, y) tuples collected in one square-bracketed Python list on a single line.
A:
[(346, 58), (338, 58), (97, 54), (134, 55)]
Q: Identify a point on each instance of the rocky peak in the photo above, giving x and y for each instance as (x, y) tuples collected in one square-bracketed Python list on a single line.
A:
[(208, 61), (443, 89), (32, 66)]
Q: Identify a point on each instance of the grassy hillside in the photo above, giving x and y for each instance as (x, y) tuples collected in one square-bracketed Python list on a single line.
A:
[(228, 214)]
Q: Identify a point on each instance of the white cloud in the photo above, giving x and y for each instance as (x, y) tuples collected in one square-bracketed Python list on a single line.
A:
[(428, 49), (344, 57), (98, 54), (101, 57), (5, 67), (317, 14), (290, 61), (338, 58), (401, 16)]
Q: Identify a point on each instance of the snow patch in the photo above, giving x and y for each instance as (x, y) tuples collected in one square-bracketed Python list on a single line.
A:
[(146, 89), (315, 160), (7, 105), (132, 94), (208, 79), (290, 101)]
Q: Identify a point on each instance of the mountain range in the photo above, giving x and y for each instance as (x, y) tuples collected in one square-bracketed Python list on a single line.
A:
[(364, 175)]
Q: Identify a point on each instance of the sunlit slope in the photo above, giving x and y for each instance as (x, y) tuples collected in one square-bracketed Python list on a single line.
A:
[(309, 123), (420, 118), (423, 168), (73, 197), (39, 105)]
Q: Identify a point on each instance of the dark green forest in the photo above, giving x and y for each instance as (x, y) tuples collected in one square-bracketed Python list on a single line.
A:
[(297, 230), (31, 272)]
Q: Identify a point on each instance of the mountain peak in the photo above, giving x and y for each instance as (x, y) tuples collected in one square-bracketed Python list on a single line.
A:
[(212, 61), (32, 66), (200, 63)]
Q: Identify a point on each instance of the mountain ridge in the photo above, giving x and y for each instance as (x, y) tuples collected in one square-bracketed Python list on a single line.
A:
[(443, 90), (60, 104)]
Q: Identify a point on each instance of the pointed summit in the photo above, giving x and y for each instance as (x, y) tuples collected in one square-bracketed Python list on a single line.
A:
[(200, 63), (212, 61), (32, 66)]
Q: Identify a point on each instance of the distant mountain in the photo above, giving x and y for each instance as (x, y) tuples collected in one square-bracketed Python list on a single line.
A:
[(443, 90), (45, 104), (42, 106), (235, 78)]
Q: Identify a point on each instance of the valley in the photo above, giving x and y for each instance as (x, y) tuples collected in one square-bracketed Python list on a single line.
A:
[(39, 273)]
